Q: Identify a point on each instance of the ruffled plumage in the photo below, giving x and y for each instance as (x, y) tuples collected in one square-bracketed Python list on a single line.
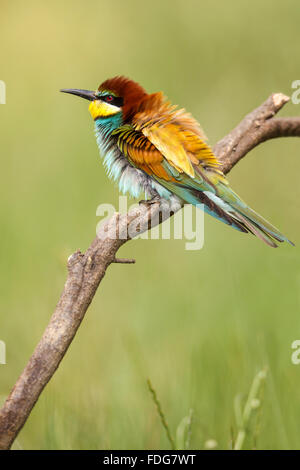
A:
[(168, 145)]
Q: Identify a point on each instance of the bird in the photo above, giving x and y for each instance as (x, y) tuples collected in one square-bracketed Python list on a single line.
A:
[(150, 146)]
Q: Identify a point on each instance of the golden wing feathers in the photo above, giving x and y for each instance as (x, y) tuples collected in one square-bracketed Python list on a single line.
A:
[(141, 152), (175, 133)]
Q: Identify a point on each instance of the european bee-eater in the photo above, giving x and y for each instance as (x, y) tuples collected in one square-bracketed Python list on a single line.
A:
[(149, 146)]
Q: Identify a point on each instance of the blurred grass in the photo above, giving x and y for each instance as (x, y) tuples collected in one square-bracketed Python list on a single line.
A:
[(198, 324)]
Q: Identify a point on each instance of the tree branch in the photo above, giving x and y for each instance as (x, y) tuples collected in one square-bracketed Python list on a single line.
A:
[(85, 271), (257, 127)]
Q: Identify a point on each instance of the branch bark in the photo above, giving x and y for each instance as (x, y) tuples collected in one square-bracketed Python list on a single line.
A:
[(257, 127), (85, 271)]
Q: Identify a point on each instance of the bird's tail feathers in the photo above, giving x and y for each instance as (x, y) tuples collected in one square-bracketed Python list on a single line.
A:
[(252, 221), (226, 206)]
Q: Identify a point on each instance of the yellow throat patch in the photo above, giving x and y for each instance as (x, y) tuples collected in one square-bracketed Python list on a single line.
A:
[(99, 108)]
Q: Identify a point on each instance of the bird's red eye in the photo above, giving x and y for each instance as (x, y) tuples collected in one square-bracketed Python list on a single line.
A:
[(109, 98)]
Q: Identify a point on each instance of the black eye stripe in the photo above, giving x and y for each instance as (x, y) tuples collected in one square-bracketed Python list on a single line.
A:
[(114, 100)]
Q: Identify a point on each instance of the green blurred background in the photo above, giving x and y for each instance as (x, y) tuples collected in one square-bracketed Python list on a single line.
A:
[(198, 324)]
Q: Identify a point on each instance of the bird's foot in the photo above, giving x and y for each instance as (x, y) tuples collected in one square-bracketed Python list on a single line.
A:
[(151, 201)]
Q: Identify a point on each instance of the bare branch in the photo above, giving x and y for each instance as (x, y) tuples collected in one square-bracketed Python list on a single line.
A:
[(85, 271), (255, 128)]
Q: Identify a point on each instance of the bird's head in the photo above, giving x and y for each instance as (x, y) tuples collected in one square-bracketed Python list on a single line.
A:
[(117, 95)]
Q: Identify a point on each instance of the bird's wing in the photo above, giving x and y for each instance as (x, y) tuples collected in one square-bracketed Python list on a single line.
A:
[(175, 133), (141, 153), (167, 143)]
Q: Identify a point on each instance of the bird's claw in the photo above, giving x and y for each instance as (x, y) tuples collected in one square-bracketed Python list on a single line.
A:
[(149, 202)]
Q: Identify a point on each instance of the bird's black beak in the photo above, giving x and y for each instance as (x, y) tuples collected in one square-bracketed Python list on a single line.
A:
[(87, 95)]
